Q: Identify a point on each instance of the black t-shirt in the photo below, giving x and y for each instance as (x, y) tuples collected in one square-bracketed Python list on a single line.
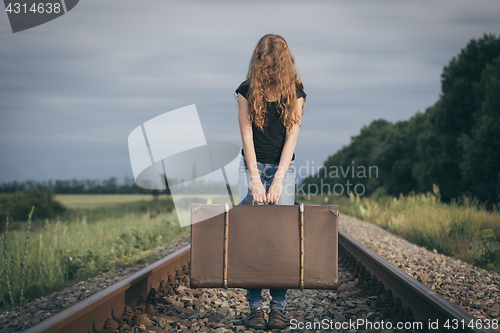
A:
[(269, 143)]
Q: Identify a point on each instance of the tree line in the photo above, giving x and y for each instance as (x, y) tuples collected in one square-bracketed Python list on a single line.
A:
[(107, 186), (454, 144), (75, 186)]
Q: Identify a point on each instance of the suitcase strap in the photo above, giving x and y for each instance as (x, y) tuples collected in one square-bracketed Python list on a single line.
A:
[(226, 243), (301, 222)]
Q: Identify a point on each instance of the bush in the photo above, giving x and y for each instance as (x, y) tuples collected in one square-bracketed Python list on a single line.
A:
[(18, 205)]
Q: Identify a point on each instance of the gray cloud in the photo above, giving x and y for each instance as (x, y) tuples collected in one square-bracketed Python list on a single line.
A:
[(69, 99)]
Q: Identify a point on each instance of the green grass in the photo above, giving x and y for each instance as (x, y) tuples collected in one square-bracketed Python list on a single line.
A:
[(84, 242), (90, 201), (92, 210), (463, 229)]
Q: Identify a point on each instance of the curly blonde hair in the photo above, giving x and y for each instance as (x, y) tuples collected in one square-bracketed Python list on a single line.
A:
[(286, 79)]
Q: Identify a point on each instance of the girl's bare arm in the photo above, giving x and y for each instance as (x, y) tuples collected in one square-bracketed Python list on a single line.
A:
[(286, 157), (258, 191)]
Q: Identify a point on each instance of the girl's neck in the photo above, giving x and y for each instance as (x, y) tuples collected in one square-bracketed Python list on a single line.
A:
[(271, 95)]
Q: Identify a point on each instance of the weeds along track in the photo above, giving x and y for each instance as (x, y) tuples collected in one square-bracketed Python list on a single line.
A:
[(372, 294)]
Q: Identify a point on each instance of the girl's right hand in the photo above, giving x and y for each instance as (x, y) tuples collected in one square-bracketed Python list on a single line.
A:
[(258, 191)]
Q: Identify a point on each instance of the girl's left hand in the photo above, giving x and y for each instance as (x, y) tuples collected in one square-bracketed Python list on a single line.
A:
[(274, 193)]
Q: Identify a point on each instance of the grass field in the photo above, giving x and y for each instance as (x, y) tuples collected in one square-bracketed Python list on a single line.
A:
[(96, 234), (81, 201), (463, 229)]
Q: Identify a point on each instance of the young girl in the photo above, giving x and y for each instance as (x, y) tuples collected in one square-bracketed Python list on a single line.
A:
[(270, 107)]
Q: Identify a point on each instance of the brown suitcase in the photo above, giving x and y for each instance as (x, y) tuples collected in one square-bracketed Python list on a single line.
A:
[(260, 246)]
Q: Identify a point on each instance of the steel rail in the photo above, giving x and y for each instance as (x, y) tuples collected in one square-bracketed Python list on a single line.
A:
[(90, 314), (425, 303)]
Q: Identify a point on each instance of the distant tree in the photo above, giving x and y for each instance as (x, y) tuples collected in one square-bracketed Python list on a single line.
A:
[(155, 194), (454, 144), (480, 165), (455, 114)]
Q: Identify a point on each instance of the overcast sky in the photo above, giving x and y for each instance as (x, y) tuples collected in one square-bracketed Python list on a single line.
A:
[(73, 89)]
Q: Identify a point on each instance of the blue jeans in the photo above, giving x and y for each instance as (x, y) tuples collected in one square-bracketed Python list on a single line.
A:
[(266, 172)]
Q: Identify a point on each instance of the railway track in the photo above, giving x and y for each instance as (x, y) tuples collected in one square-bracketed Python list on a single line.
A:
[(91, 314), (387, 296)]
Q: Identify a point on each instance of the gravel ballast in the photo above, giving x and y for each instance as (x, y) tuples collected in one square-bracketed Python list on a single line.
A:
[(473, 289)]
